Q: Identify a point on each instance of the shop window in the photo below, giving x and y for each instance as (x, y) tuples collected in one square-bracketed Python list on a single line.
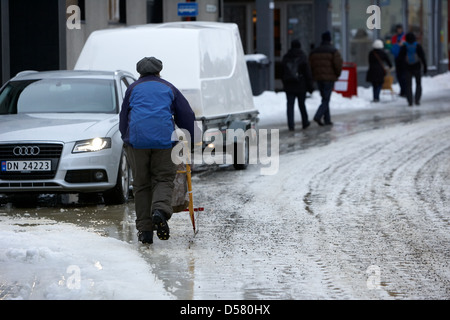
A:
[(237, 13), (337, 25), (391, 17), (360, 38), (117, 11), (418, 23), (80, 4), (300, 22), (154, 11), (444, 32)]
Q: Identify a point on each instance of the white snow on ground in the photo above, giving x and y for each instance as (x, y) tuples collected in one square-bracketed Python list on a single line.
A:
[(273, 105), (42, 259)]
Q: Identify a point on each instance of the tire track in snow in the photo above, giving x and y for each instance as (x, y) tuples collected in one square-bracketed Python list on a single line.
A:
[(377, 188), (313, 230)]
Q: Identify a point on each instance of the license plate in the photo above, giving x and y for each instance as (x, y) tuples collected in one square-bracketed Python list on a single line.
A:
[(27, 166)]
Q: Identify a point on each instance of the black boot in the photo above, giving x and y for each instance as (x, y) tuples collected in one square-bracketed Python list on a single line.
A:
[(161, 226), (146, 237)]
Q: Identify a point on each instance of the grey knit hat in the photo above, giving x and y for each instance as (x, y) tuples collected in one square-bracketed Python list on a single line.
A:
[(149, 66)]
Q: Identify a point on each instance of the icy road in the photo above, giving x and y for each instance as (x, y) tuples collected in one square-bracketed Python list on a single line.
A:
[(356, 211)]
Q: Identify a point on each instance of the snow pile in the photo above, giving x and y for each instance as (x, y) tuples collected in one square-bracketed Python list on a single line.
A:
[(272, 105), (42, 259)]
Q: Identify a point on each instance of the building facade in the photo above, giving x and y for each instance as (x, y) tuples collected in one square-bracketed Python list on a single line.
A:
[(347, 20), (44, 35)]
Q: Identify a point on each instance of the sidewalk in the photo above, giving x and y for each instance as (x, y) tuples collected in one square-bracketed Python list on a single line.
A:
[(435, 99)]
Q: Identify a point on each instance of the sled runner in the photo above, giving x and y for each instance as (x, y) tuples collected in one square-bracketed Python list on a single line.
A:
[(191, 209), (182, 197)]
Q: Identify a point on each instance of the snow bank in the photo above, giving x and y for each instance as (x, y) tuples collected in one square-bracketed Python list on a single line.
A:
[(272, 105), (42, 259)]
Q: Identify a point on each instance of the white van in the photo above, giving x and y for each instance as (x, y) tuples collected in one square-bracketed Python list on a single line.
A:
[(204, 60)]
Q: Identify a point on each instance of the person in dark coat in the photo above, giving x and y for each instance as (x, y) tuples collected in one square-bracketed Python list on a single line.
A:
[(326, 66), (378, 60), (397, 41), (413, 55), (297, 81)]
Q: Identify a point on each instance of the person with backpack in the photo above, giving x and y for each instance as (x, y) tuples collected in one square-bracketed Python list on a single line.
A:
[(413, 55), (397, 42), (297, 81), (326, 65)]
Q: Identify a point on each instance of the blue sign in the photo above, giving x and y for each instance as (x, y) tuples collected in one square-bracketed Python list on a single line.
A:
[(188, 9)]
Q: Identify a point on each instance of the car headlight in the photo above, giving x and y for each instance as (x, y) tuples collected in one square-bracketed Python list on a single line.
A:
[(92, 145)]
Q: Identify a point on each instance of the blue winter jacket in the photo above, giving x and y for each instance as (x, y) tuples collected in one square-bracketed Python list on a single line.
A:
[(150, 110)]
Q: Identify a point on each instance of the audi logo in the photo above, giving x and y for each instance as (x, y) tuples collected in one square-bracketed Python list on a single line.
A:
[(26, 151)]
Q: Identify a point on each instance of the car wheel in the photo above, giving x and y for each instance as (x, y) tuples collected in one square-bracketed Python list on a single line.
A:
[(120, 193)]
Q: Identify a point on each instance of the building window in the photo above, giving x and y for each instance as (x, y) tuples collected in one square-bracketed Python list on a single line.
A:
[(360, 38), (237, 13), (391, 17), (80, 4), (117, 11), (444, 32), (419, 12), (154, 11)]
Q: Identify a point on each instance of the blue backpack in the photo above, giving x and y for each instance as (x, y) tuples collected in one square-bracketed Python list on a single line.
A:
[(411, 53)]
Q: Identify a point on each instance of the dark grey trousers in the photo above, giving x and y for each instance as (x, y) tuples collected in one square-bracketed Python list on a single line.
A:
[(153, 182)]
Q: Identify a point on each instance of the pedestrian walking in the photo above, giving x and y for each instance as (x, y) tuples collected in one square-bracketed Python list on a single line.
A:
[(378, 61), (413, 55), (297, 81), (150, 110), (397, 41), (326, 66)]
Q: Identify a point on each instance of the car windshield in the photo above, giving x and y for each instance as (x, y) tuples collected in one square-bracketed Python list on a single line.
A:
[(58, 96)]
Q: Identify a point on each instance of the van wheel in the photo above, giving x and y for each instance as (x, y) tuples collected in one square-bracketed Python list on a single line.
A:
[(120, 193), (241, 156)]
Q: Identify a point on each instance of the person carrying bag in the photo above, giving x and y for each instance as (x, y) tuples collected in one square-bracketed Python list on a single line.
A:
[(378, 75)]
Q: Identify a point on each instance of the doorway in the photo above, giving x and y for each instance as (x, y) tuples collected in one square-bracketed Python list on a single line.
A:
[(292, 20)]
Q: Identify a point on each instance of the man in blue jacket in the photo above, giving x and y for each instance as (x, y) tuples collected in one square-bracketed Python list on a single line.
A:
[(397, 42), (413, 56), (151, 109)]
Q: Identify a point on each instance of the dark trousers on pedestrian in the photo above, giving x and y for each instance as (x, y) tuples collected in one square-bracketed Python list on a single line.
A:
[(376, 91), (153, 183), (326, 89), (413, 72), (301, 97), (400, 72)]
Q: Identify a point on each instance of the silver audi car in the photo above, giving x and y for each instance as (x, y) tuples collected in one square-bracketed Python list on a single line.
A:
[(59, 132)]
